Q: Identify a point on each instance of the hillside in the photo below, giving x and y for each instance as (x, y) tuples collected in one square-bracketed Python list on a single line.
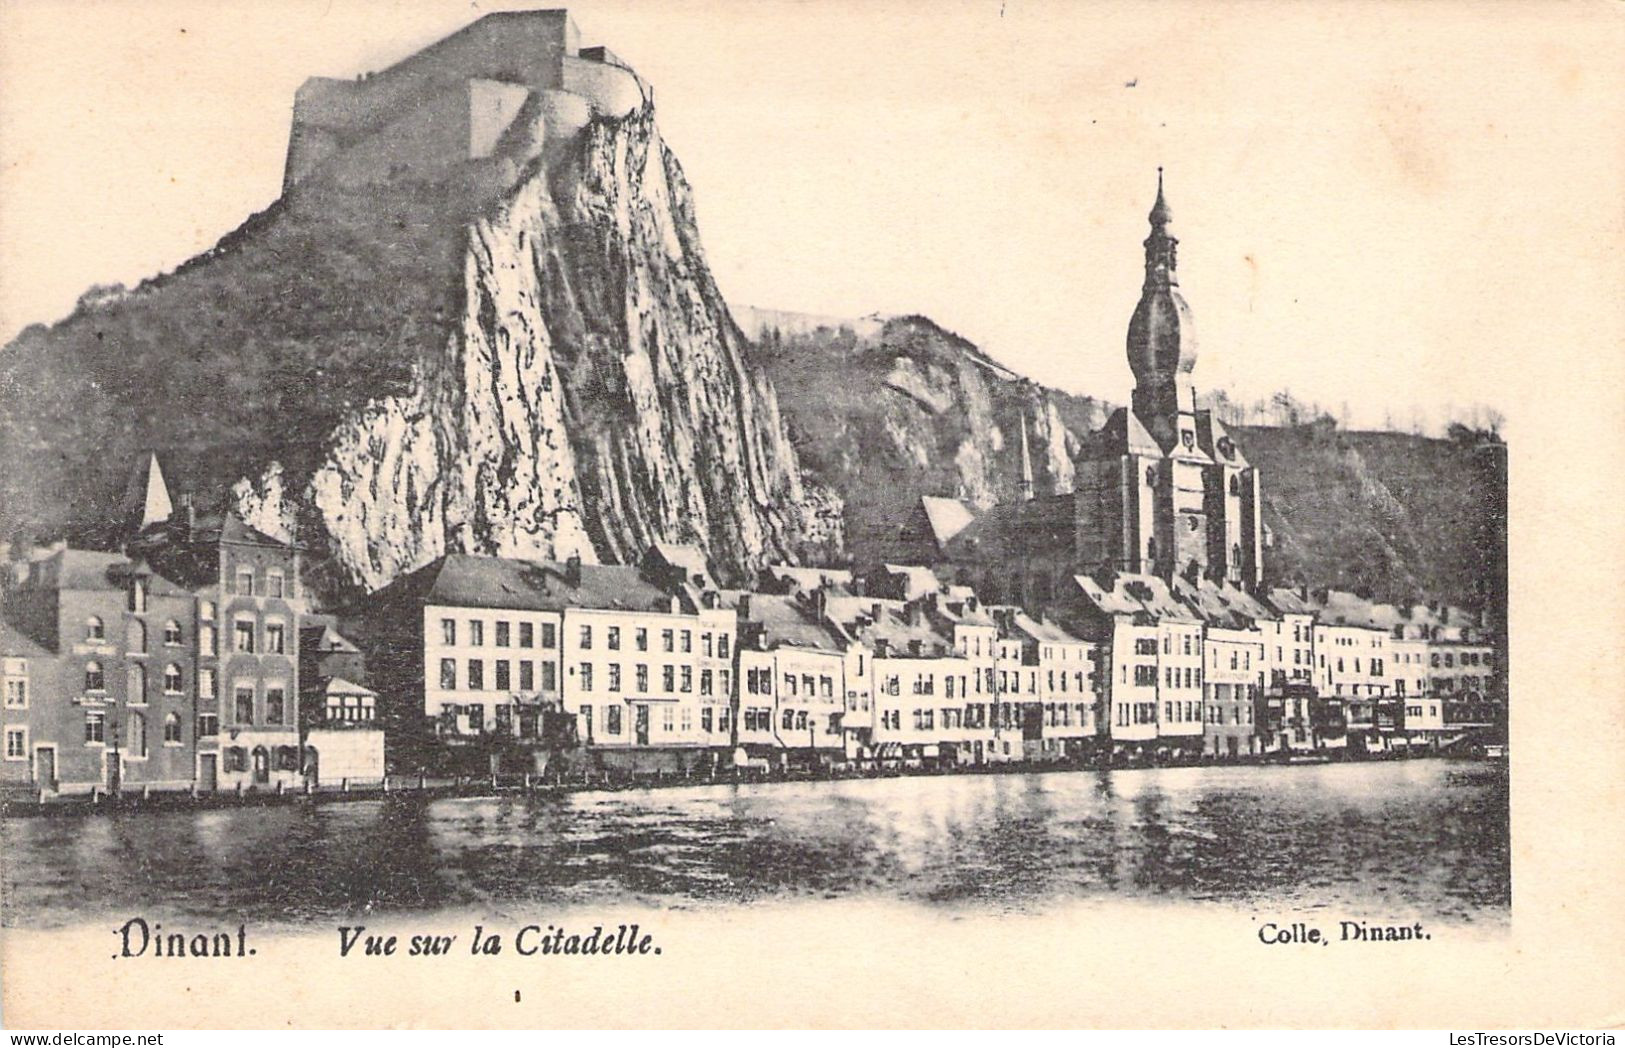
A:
[(883, 410)]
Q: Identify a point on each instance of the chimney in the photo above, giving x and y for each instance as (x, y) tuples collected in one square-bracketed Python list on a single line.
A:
[(876, 611), (916, 647), (820, 602), (916, 613), (572, 569), (744, 605), (882, 648)]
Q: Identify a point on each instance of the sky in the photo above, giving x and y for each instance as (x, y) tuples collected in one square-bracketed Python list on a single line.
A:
[(1392, 209)]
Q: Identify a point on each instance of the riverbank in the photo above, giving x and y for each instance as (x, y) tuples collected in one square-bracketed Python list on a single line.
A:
[(73, 805)]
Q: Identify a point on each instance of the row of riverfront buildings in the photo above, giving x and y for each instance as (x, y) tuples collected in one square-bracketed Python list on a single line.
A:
[(1128, 617)]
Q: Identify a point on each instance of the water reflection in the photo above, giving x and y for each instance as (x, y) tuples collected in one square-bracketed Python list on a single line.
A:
[(1422, 838)]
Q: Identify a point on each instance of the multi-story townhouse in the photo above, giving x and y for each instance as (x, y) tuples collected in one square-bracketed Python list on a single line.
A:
[(1298, 714), (1352, 660), (995, 671), (100, 676), (338, 714), (29, 756), (249, 602), (1463, 671), (1154, 651), (545, 653), (793, 664), (1421, 712), (1233, 680), (930, 702), (1060, 672)]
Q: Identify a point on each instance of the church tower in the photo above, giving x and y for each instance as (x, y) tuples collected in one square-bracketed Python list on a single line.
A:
[(1162, 337), (1162, 489)]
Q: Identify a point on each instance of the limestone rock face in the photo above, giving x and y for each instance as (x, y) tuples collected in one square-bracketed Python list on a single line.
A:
[(551, 370), (593, 396)]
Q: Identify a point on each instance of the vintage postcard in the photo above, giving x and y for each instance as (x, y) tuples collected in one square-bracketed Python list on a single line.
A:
[(979, 514)]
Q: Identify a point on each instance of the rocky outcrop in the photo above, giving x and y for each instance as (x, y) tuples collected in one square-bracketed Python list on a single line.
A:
[(883, 411), (552, 371)]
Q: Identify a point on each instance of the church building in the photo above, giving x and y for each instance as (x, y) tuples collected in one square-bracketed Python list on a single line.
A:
[(1161, 489)]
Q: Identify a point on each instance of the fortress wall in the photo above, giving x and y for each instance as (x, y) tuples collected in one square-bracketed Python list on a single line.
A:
[(611, 89), (492, 107), (526, 47), (424, 142)]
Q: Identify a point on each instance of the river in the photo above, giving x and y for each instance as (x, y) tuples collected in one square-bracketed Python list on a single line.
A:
[(1422, 838)]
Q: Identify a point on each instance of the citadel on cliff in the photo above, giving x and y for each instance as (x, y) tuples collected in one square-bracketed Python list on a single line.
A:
[(413, 587)]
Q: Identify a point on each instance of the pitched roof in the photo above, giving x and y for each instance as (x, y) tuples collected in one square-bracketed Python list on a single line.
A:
[(340, 686), (1288, 601), (15, 645), (786, 622), (810, 578), (689, 558), (947, 517), (1142, 596), (917, 580), (1223, 605), (323, 637), (1217, 442), (468, 580), (83, 569)]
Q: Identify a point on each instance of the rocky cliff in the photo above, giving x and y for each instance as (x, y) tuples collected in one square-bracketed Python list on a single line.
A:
[(392, 371)]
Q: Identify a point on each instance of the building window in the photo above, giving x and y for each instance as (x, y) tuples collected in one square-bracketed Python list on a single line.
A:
[(668, 722), (550, 674), (208, 725), (550, 637), (448, 632), (95, 728), (244, 634), (273, 584), (667, 639), (504, 682), (448, 674), (586, 676), (16, 744), (173, 684), (138, 595), (476, 674), (503, 630), (94, 681), (613, 639), (527, 635), (722, 650), (245, 582), (614, 683), (643, 677), (172, 729), (274, 706), (641, 639), (668, 678), (137, 693), (17, 692), (205, 683), (206, 639), (172, 633), (705, 683), (138, 736), (688, 678), (527, 675), (244, 712), (276, 638), (586, 638), (136, 637), (612, 720), (476, 633), (688, 641), (95, 629)]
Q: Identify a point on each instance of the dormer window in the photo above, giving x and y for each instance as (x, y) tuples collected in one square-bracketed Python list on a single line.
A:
[(95, 629), (172, 632)]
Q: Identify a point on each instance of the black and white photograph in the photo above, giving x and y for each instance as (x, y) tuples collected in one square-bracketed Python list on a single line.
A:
[(497, 502)]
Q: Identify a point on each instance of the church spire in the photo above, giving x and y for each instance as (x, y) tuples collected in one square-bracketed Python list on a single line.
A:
[(146, 501), (1161, 247), (1026, 463)]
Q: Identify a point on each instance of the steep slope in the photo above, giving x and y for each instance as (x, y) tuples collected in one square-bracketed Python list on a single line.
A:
[(391, 371), (883, 411)]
